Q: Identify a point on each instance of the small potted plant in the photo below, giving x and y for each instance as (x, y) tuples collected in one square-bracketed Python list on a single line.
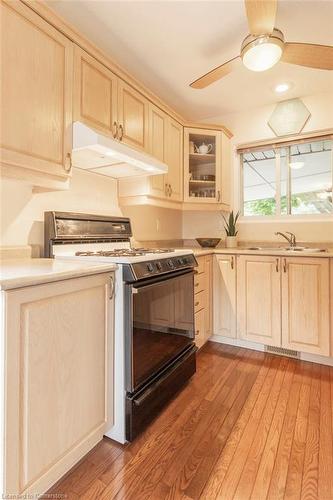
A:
[(230, 229)]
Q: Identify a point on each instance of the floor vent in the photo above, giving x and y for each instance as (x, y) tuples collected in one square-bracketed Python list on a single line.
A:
[(281, 351)]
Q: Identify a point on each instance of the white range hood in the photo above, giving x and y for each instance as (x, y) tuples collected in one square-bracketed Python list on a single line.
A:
[(106, 156)]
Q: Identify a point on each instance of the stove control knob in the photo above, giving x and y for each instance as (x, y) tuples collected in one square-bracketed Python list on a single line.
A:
[(171, 264), (159, 266), (181, 262), (150, 267)]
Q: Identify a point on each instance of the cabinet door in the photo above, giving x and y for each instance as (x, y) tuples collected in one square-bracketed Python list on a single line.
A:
[(209, 295), (202, 170), (225, 176), (133, 117), (225, 319), (259, 299), (157, 139), (36, 93), (95, 93), (174, 159), (305, 304), (59, 344)]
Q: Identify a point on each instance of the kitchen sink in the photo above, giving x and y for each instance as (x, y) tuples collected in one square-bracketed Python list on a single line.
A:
[(289, 249)]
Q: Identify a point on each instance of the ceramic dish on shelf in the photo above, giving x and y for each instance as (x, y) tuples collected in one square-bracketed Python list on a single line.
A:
[(208, 242)]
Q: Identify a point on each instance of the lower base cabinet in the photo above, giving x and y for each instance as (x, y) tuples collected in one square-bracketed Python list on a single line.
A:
[(224, 279), (259, 299), (284, 302), (58, 378), (305, 305), (203, 300)]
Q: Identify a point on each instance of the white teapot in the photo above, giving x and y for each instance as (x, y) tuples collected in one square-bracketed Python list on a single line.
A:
[(204, 149)]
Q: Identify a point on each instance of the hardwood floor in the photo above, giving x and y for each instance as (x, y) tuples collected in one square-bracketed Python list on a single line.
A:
[(248, 425)]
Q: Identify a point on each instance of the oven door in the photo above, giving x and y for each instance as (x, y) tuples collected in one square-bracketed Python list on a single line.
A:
[(160, 325)]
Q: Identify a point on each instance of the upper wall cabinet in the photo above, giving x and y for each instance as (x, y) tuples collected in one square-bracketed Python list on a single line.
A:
[(206, 167), (36, 96), (106, 103), (95, 93), (174, 160), (158, 122), (132, 117)]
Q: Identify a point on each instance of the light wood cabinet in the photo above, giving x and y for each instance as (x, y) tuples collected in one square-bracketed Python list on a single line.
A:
[(132, 117), (95, 93), (36, 95), (202, 300), (206, 173), (107, 103), (158, 124), (174, 160), (305, 305), (224, 279), (259, 299), (59, 377)]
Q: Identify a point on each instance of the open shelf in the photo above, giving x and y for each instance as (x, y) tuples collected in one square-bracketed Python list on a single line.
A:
[(198, 158), (202, 182)]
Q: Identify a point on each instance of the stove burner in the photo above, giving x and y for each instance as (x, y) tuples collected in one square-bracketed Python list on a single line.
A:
[(123, 252)]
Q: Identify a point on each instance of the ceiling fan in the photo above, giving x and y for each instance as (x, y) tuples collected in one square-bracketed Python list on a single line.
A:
[(265, 46)]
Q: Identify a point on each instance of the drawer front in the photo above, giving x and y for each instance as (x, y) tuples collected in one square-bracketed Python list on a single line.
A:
[(199, 320), (201, 265), (199, 301), (199, 282)]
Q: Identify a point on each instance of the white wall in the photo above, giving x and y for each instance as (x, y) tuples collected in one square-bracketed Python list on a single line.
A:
[(251, 125), (22, 211)]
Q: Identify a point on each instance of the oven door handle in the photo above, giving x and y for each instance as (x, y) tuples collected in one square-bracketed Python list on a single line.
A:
[(136, 287)]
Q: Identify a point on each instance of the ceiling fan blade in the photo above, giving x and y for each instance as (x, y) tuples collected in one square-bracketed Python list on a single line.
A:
[(216, 74), (308, 54), (261, 16)]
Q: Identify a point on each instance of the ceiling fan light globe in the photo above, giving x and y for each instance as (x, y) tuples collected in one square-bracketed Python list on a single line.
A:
[(262, 52)]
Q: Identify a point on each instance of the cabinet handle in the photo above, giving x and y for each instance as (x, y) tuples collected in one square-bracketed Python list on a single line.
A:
[(115, 130), (121, 134), (232, 262), (219, 196), (196, 285), (68, 163), (284, 265), (197, 332), (170, 190), (196, 304), (111, 288), (277, 265), (166, 190)]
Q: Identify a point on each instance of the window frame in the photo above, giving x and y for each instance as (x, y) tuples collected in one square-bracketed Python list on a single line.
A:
[(277, 146)]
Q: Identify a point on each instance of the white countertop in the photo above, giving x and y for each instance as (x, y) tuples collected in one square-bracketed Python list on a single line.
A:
[(245, 251), (17, 273)]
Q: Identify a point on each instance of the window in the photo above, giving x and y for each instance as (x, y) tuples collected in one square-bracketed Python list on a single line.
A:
[(293, 179)]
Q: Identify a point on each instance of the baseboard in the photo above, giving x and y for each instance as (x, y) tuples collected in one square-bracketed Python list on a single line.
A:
[(304, 356)]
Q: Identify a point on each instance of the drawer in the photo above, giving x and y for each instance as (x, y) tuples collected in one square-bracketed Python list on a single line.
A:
[(199, 301), (201, 265), (199, 321), (199, 282)]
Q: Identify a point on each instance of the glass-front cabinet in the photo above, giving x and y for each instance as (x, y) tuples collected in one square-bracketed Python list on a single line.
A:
[(203, 166)]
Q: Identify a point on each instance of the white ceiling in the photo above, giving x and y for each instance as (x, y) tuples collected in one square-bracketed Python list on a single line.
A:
[(167, 44)]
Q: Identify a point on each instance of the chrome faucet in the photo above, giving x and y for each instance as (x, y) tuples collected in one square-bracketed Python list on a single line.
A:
[(291, 239)]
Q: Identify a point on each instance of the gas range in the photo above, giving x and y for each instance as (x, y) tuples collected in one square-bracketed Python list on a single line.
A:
[(154, 350), (108, 239)]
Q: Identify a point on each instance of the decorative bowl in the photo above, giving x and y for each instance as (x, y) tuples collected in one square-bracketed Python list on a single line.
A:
[(208, 242)]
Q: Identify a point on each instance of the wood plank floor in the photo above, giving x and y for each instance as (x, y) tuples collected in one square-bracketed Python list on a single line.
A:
[(248, 425)]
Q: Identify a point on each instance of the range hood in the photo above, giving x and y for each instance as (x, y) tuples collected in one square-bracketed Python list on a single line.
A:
[(101, 154)]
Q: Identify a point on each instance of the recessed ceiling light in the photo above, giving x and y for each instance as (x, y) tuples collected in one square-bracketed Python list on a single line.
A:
[(296, 165), (282, 87)]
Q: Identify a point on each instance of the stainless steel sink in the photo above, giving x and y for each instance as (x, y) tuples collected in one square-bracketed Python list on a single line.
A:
[(289, 249)]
